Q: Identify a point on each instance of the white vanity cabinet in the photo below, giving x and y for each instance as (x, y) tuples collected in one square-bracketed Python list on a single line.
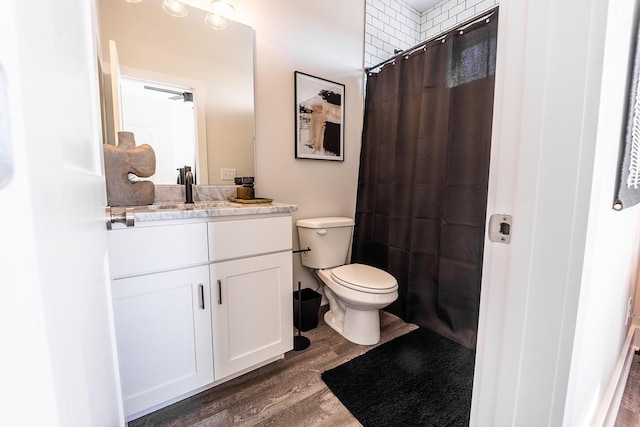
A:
[(251, 298), (198, 302), (161, 310)]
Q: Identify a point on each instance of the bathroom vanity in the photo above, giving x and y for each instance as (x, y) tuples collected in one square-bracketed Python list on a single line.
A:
[(200, 296)]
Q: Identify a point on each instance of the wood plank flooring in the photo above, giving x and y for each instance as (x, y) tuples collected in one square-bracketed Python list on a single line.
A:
[(629, 412), (288, 392)]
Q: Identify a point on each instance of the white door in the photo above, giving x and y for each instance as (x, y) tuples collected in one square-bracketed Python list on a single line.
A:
[(58, 361), (546, 129)]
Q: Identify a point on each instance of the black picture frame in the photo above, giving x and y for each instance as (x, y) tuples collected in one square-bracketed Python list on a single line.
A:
[(319, 118)]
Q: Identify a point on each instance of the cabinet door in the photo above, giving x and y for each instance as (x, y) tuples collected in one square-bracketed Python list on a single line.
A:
[(252, 308), (163, 334)]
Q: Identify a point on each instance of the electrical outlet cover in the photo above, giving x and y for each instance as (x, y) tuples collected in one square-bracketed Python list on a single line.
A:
[(227, 174)]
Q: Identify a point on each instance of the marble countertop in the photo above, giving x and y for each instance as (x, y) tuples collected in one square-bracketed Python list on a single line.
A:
[(202, 209)]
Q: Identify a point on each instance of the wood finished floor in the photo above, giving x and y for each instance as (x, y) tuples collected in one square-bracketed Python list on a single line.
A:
[(629, 412), (288, 392)]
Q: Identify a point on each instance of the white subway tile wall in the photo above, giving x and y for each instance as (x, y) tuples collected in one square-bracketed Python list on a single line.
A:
[(393, 24), (390, 24)]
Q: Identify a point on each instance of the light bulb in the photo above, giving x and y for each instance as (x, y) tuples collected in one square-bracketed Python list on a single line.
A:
[(215, 21), (223, 8), (175, 8)]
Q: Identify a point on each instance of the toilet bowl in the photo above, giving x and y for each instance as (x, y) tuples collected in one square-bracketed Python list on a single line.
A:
[(356, 292), (354, 302)]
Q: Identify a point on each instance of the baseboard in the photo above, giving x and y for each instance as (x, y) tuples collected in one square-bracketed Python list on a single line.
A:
[(611, 401)]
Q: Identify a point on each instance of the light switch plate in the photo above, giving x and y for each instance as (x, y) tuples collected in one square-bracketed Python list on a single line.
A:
[(227, 174)]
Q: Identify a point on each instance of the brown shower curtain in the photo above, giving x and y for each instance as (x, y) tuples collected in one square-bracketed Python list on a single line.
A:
[(423, 177)]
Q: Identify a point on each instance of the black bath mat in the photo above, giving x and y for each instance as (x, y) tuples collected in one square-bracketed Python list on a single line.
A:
[(417, 379)]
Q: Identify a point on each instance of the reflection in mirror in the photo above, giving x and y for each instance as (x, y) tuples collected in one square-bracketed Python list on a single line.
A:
[(151, 43), (163, 117)]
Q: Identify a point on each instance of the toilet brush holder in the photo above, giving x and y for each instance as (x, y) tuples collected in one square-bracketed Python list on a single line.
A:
[(300, 342)]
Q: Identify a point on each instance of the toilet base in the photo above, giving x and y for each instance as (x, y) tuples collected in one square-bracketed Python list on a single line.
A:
[(358, 326)]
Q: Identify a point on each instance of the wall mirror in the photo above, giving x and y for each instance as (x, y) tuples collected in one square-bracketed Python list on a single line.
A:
[(157, 49), (162, 116)]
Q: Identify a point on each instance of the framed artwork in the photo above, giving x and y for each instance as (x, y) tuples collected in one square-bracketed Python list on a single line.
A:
[(319, 110)]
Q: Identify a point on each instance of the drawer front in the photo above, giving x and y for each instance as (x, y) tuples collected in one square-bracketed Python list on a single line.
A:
[(240, 238), (134, 251)]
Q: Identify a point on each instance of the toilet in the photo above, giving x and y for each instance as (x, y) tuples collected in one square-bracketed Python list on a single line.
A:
[(355, 291)]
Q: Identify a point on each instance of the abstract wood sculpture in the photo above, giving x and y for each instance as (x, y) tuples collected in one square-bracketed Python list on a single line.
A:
[(123, 159)]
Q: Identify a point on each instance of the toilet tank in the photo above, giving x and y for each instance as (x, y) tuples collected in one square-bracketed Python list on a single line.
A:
[(329, 239)]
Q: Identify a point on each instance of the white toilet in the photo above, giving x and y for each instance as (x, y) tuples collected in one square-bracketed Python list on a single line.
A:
[(355, 291)]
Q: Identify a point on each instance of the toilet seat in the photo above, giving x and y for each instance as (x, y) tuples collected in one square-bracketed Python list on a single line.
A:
[(364, 278)]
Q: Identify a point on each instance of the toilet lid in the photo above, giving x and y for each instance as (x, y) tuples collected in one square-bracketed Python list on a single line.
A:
[(364, 278)]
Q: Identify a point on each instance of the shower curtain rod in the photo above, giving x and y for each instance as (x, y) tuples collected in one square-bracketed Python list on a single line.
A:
[(462, 26)]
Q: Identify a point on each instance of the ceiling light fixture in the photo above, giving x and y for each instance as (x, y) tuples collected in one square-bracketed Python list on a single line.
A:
[(215, 21), (223, 8), (216, 17), (175, 8)]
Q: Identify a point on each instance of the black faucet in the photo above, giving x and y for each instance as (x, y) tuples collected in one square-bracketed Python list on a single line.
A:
[(188, 187)]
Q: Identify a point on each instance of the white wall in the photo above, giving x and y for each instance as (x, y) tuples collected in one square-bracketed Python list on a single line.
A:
[(312, 38)]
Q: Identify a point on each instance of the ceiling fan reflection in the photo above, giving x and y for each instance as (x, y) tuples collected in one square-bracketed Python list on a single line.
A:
[(185, 96)]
